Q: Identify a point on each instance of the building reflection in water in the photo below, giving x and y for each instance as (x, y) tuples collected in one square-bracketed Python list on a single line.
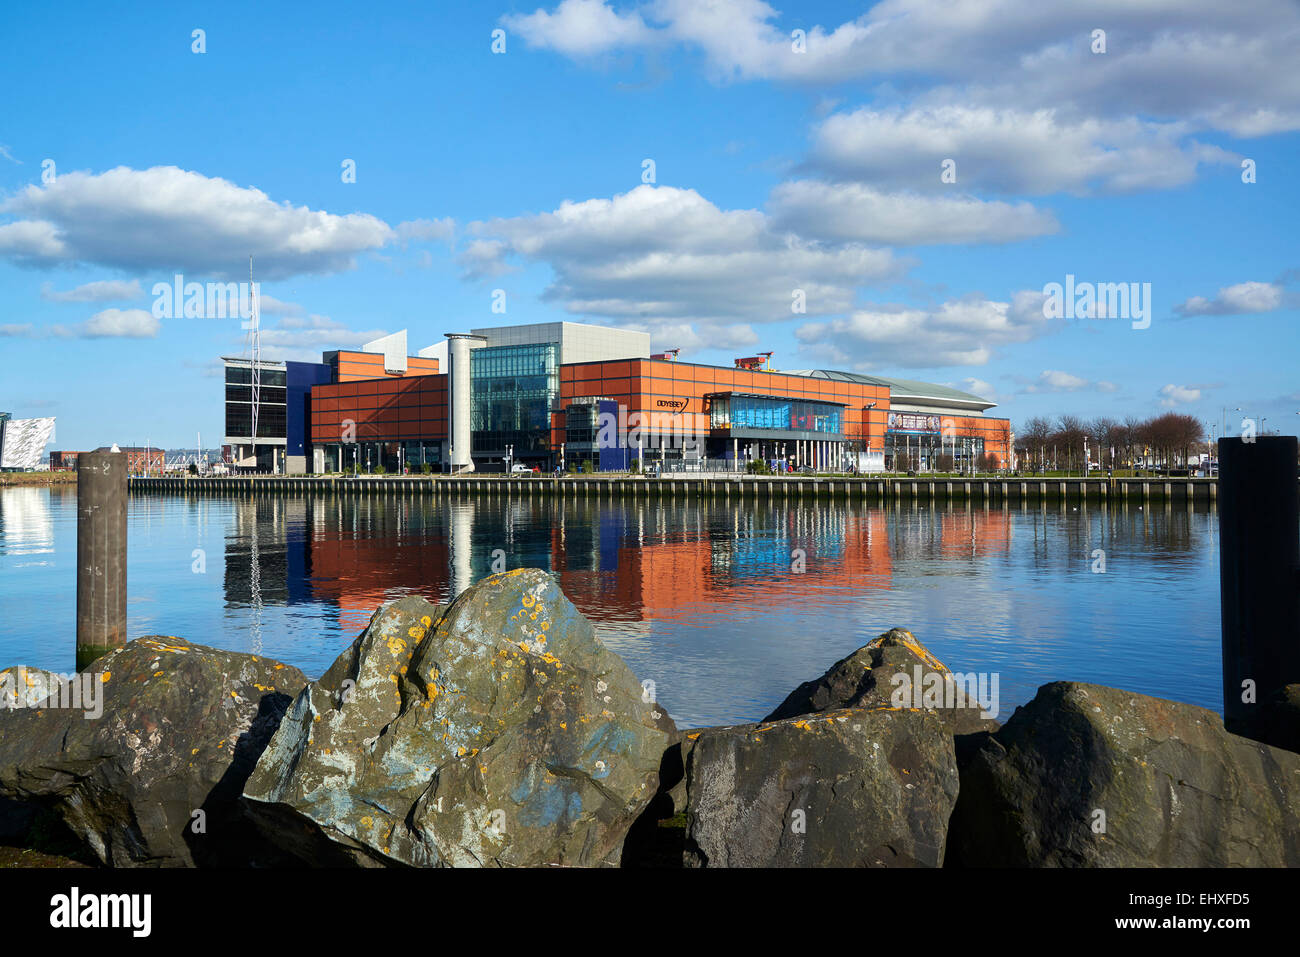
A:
[(624, 560)]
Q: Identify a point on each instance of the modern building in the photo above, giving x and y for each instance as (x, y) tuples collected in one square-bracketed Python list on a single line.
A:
[(284, 399), (572, 395), (23, 441)]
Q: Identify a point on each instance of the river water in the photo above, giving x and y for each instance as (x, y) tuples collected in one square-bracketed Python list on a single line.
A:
[(726, 607)]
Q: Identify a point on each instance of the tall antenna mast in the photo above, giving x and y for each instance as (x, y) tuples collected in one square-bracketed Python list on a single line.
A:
[(255, 330)]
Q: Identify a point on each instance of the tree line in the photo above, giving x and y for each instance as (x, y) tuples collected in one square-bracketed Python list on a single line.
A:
[(1166, 441)]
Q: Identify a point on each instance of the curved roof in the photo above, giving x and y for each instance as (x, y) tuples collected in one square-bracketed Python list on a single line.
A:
[(904, 389)]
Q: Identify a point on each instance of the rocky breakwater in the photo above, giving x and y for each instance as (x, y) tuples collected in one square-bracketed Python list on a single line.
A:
[(498, 730)]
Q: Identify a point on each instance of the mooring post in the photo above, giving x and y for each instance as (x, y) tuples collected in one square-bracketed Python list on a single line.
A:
[(101, 555), (1259, 569)]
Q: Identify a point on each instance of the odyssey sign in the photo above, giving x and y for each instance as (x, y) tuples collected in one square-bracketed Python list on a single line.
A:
[(678, 404)]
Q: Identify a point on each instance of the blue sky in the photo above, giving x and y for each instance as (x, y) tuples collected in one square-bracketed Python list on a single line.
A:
[(775, 170)]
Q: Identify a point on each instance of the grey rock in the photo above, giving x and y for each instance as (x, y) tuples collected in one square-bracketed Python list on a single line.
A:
[(847, 788), (498, 731), (1089, 776)]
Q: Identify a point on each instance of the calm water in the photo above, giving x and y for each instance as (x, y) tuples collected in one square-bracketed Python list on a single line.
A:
[(702, 598)]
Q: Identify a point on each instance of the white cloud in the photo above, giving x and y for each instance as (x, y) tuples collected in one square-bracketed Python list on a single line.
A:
[(980, 387), (961, 332), (661, 257), (105, 290), (484, 258), (1242, 299), (580, 28), (1172, 395), (165, 219), (850, 212), (120, 324), (1006, 150), (1224, 66), (1057, 380), (268, 305)]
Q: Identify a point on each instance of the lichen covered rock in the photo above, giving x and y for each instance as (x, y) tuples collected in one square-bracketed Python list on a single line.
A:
[(496, 731), (144, 755), (868, 679)]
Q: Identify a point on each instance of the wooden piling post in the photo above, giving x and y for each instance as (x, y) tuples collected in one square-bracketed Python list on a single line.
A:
[(101, 555)]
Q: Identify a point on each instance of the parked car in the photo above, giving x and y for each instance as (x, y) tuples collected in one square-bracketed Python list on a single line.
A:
[(518, 468)]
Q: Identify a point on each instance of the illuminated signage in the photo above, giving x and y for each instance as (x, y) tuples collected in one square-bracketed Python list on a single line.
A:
[(912, 422)]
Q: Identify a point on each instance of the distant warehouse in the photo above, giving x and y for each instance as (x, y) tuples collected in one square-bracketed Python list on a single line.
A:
[(567, 394)]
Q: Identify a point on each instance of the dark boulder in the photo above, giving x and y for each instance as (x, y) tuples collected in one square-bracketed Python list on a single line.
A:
[(891, 665), (144, 755), (847, 788), (1089, 776), (498, 731)]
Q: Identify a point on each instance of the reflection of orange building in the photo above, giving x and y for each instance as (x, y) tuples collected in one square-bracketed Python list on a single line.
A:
[(618, 562), (657, 580), (361, 560), (974, 532)]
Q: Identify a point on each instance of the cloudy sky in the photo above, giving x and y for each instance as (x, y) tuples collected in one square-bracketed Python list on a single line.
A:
[(885, 188)]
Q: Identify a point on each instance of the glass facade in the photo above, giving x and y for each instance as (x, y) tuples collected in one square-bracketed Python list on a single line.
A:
[(271, 422), (744, 413), (395, 458), (514, 390)]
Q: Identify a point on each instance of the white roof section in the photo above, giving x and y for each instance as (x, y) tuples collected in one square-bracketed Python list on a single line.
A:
[(436, 351), (393, 349)]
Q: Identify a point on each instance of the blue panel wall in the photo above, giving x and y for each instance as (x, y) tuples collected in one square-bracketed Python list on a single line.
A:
[(615, 459), (299, 378)]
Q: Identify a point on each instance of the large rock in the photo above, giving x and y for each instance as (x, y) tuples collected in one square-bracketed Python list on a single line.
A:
[(499, 731), (868, 679), (850, 788), (162, 729), (1088, 776)]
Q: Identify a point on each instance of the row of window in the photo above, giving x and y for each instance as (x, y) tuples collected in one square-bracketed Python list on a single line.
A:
[(270, 421), (269, 394), (238, 375)]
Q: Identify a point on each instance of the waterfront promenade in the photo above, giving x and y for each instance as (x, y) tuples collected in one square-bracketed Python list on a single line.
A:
[(711, 485)]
